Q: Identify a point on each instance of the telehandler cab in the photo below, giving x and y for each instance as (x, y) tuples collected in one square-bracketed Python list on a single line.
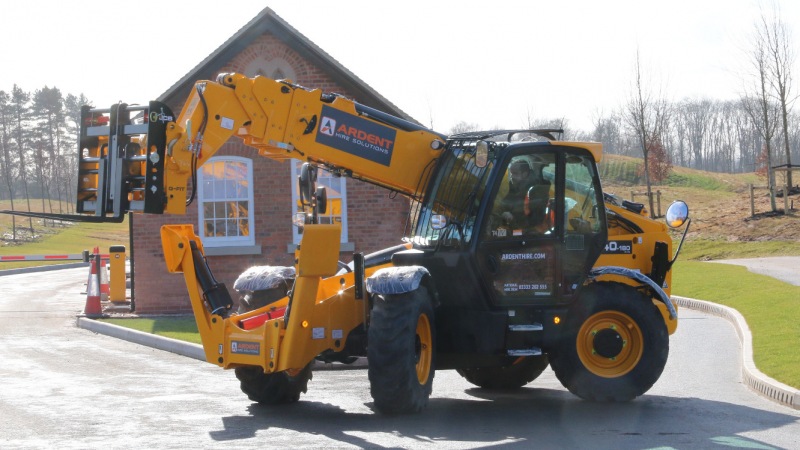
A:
[(501, 272)]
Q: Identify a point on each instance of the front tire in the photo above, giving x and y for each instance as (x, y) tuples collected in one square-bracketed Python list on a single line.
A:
[(270, 388), (508, 377), (273, 388), (615, 344), (401, 352)]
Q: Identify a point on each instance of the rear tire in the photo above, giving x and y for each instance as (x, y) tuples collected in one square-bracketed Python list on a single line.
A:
[(401, 352), (615, 344), (509, 377)]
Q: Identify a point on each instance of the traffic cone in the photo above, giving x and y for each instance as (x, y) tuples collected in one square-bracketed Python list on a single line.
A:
[(93, 308), (92, 258), (104, 287)]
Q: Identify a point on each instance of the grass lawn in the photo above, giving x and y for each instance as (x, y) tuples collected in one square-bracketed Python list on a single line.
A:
[(771, 308), (183, 328), (60, 239), (705, 249)]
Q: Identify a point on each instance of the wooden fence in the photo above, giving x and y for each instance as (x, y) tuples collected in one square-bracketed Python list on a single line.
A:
[(635, 194)]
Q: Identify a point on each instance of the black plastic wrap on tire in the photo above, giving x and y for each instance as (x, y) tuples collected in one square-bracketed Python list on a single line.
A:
[(509, 377), (572, 373), (394, 383)]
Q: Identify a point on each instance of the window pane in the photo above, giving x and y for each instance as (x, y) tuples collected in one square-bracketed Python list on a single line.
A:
[(208, 210), (208, 171), (235, 171), (218, 170), (243, 210), (219, 228), (208, 188), (219, 190), (230, 189), (244, 226), (208, 229), (219, 210)]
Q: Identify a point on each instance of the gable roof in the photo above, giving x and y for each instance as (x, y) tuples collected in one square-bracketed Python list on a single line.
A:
[(269, 22)]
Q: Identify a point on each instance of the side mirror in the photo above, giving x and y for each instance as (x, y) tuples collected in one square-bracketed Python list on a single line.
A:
[(481, 154), (677, 214)]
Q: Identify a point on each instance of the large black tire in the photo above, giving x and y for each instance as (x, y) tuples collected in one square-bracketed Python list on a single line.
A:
[(509, 377), (615, 344), (401, 352), (273, 388)]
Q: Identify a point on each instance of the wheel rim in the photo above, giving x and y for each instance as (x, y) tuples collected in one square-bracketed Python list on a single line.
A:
[(423, 348), (610, 344)]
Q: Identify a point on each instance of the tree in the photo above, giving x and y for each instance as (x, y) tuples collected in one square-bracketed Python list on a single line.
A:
[(777, 43), (760, 108), (660, 161), (48, 110), (72, 106), (647, 114), (20, 112), (464, 127), (695, 116), (6, 156)]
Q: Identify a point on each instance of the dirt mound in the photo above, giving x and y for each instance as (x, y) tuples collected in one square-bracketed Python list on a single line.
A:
[(726, 213)]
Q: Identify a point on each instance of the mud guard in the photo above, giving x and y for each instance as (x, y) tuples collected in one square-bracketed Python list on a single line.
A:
[(396, 280), (636, 276)]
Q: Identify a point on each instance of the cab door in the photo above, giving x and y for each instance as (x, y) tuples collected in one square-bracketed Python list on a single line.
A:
[(541, 234)]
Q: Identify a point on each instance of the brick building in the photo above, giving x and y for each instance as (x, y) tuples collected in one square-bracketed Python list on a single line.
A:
[(263, 191)]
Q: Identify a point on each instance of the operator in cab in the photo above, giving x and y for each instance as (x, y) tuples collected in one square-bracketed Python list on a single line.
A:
[(523, 207)]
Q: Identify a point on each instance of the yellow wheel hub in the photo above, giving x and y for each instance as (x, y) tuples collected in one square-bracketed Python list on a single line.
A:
[(424, 349), (610, 344)]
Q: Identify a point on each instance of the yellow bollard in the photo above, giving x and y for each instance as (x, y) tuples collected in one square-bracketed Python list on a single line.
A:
[(117, 265)]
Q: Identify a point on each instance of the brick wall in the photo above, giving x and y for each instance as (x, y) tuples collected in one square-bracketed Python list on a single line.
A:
[(375, 221)]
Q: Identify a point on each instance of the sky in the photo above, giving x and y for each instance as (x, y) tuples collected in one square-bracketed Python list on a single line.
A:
[(488, 63)]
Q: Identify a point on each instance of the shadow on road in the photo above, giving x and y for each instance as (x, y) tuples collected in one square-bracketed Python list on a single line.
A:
[(542, 417)]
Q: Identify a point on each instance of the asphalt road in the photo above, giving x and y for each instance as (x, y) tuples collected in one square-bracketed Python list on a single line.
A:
[(784, 268), (64, 387)]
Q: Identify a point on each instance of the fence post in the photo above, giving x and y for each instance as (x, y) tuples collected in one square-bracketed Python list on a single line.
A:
[(752, 201), (658, 200)]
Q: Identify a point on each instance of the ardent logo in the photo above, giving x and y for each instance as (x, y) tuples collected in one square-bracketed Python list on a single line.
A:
[(357, 136), (328, 126), (245, 348)]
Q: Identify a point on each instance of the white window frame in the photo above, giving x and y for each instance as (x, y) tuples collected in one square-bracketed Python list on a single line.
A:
[(226, 241), (342, 187)]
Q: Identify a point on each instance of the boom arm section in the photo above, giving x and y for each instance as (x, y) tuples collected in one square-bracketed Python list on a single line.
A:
[(141, 158)]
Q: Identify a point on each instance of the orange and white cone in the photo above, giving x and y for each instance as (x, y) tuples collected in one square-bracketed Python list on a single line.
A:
[(105, 289), (93, 308)]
